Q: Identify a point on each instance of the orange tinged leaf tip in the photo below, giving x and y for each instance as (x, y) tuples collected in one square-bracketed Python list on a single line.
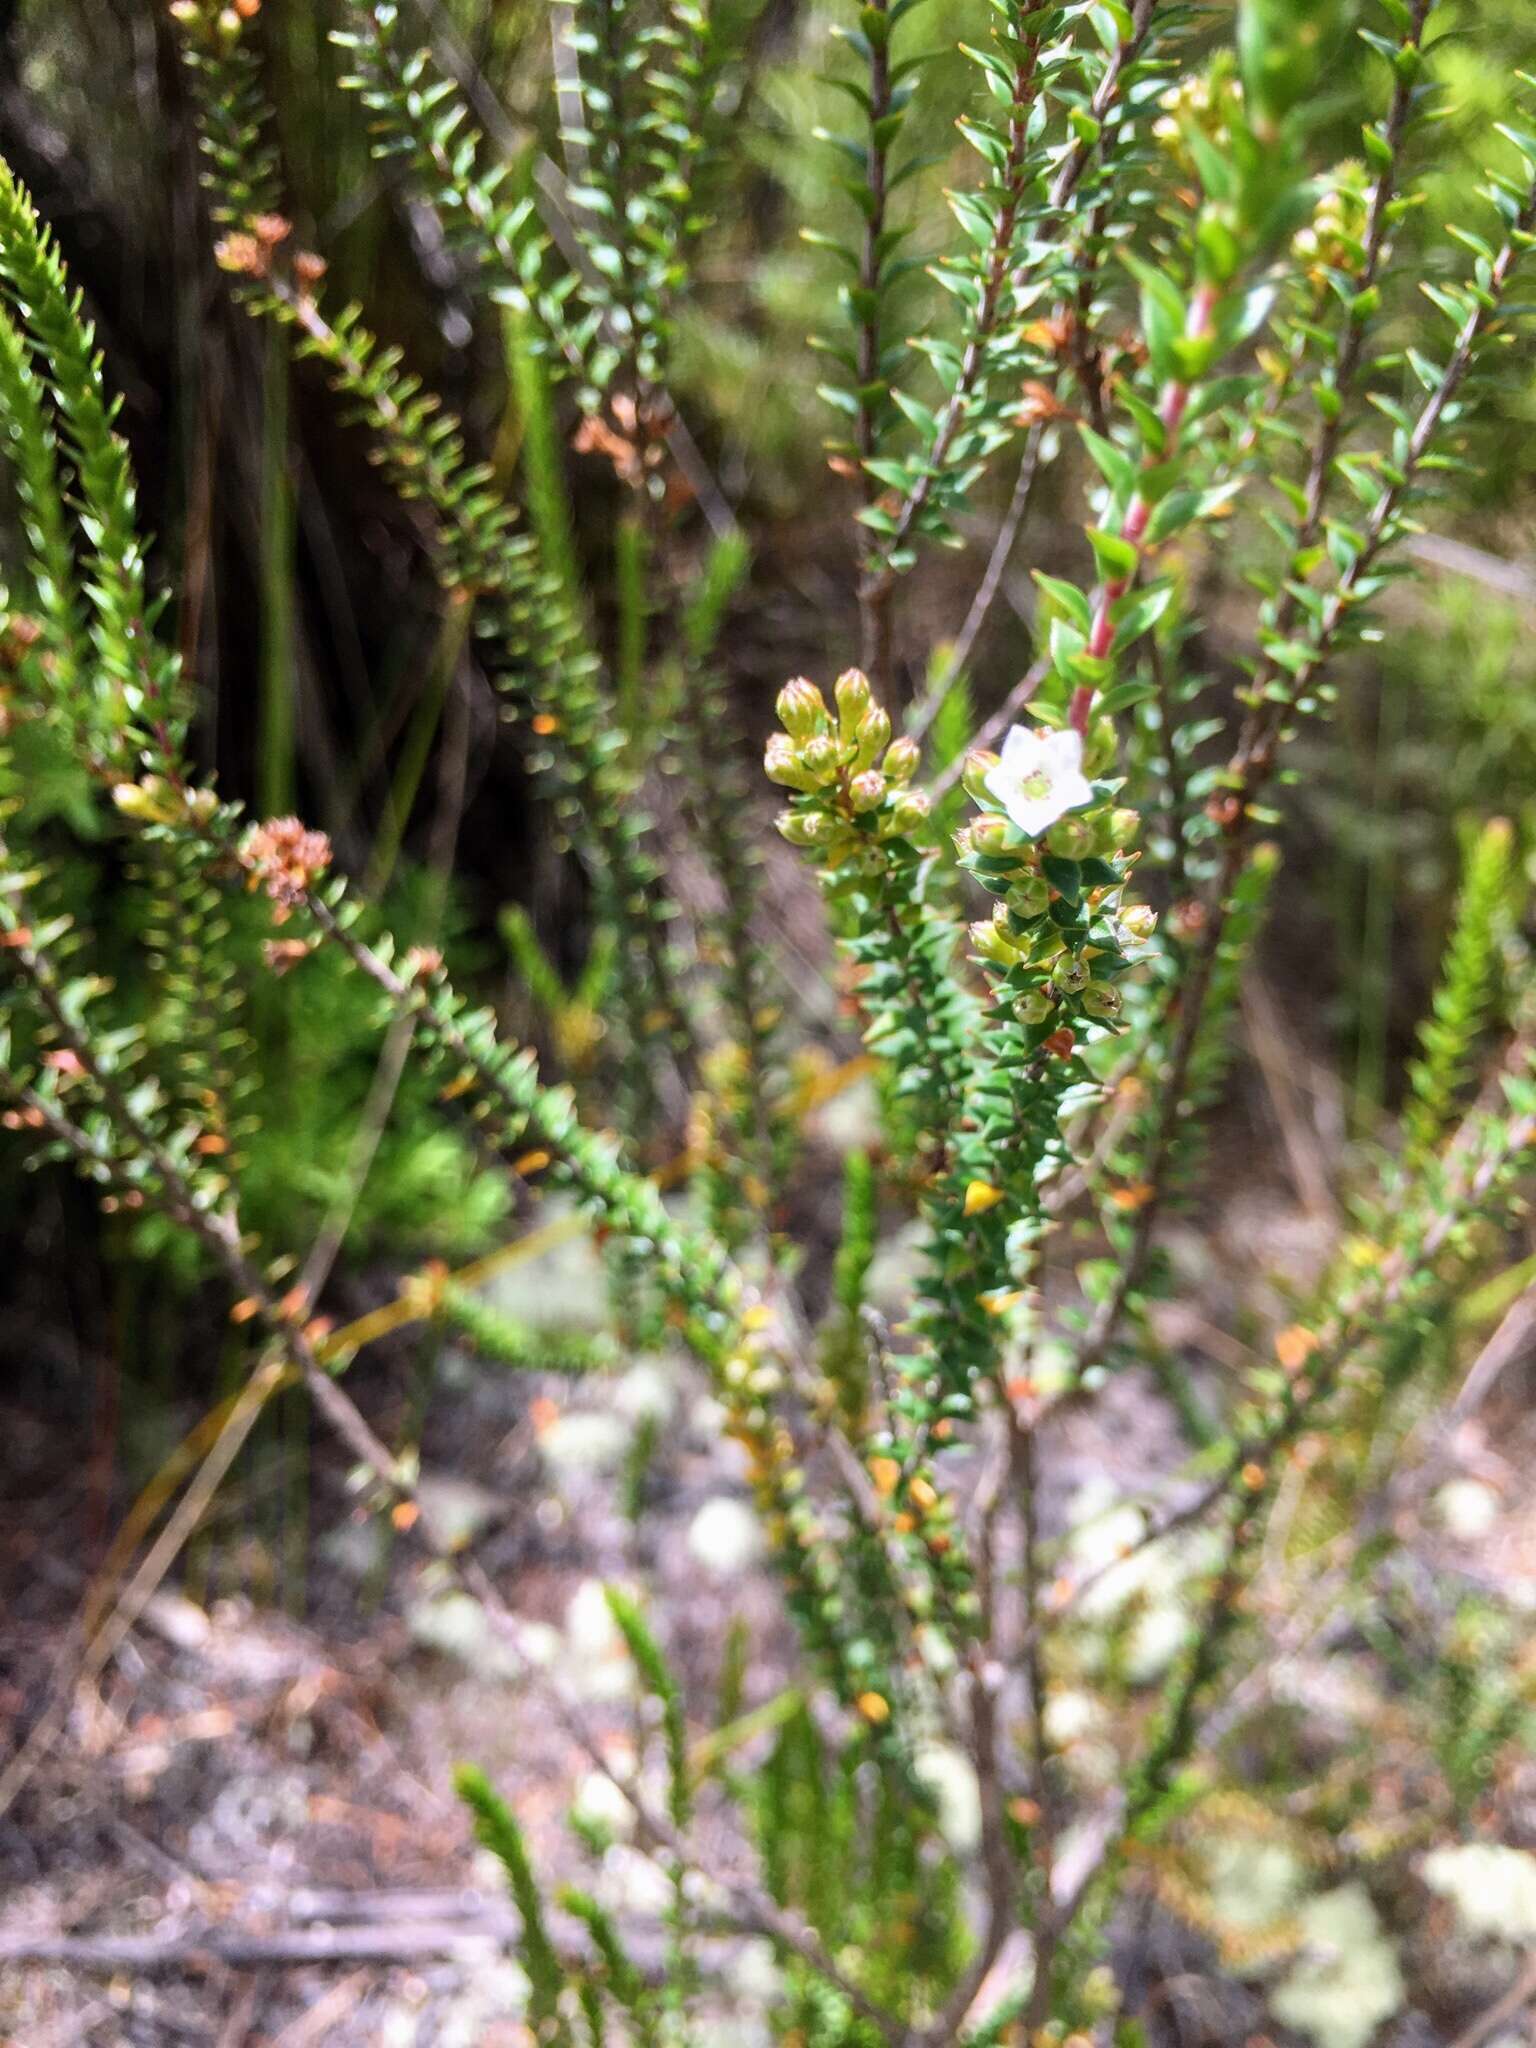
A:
[(1294, 1346), (885, 1472)]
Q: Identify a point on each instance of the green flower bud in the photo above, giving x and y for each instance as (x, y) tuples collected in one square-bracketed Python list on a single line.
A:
[(989, 834), (979, 763), (1106, 840), (1073, 975), (1030, 895), (1071, 838), (872, 737), (1136, 923), (1099, 1993), (801, 710), (782, 764), (1033, 1007), (854, 698), (153, 801), (866, 792), (1126, 826), (805, 828), (819, 758), (901, 759), (993, 943), (1102, 999), (908, 811), (1099, 754)]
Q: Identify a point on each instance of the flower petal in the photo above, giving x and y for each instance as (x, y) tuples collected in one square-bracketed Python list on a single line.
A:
[(1021, 750), (1061, 753)]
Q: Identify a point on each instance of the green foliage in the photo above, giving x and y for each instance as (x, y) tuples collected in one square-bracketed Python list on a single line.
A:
[(663, 1688), (497, 1830), (1462, 1003), (1150, 253)]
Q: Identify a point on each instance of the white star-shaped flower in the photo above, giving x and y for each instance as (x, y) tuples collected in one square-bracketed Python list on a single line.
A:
[(1040, 777)]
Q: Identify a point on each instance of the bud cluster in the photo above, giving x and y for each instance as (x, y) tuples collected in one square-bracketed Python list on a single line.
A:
[(1061, 933), (286, 859), (223, 22), (157, 800), (1206, 106), (852, 780), (1334, 238)]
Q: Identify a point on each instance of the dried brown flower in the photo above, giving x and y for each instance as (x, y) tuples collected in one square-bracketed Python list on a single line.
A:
[(1039, 403), (285, 858), (242, 255)]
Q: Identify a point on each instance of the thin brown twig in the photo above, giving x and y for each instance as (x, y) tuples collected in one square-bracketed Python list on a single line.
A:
[(1514, 2001), (929, 705), (103, 1643), (996, 725), (878, 583), (1274, 1048), (1025, 1447), (751, 1910)]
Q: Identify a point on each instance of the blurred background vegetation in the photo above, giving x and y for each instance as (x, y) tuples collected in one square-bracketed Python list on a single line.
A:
[(309, 615)]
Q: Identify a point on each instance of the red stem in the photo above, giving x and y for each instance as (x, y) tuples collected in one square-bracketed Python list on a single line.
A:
[(1175, 403)]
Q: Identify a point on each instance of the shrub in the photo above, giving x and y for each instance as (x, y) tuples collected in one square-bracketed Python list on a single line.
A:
[(1152, 287)]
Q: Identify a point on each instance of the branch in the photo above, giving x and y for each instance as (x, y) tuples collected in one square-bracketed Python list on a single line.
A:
[(1275, 695)]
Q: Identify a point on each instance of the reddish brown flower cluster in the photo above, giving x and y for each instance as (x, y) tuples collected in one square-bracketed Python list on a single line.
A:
[(285, 858), (1039, 404), (251, 252), (18, 636), (633, 442), (283, 955)]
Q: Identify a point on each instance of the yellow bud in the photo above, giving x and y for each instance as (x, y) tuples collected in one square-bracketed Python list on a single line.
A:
[(805, 828), (819, 758), (782, 764), (135, 802), (854, 698), (993, 943), (901, 759), (872, 736), (801, 710), (980, 1196), (979, 763), (909, 810), (875, 1708), (885, 1472), (1001, 1299)]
